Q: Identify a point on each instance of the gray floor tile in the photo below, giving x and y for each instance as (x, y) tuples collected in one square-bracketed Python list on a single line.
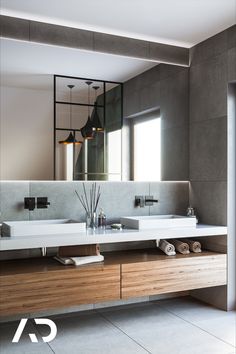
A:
[(162, 332), (91, 333), (24, 346), (217, 322)]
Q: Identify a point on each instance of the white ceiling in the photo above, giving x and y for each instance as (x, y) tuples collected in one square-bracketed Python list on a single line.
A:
[(177, 22), (31, 65)]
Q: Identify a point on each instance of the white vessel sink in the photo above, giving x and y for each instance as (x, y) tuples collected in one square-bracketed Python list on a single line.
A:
[(158, 221), (42, 227)]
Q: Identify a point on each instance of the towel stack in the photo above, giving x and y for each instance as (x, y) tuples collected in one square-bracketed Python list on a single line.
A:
[(170, 248), (79, 255)]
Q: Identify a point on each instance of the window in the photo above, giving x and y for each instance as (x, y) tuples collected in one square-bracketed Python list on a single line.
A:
[(147, 149), (114, 155)]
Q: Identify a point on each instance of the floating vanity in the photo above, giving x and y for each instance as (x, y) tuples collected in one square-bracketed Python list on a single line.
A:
[(40, 284)]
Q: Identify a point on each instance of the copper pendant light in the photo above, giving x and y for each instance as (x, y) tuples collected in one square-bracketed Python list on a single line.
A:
[(87, 130), (71, 137), (97, 126)]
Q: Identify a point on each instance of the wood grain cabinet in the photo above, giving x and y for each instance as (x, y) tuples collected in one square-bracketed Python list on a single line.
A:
[(41, 284), (59, 288), (172, 274)]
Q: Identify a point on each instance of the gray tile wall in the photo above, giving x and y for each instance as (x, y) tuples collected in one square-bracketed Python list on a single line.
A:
[(117, 199), (165, 87), (212, 67)]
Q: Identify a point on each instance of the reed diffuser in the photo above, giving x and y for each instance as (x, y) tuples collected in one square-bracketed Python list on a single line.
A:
[(89, 200)]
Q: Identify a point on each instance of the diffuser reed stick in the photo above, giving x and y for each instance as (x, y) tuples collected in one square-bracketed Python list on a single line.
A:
[(90, 200)]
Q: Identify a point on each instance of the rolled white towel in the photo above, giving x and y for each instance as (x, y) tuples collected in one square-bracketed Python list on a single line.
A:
[(194, 246), (181, 247), (167, 247)]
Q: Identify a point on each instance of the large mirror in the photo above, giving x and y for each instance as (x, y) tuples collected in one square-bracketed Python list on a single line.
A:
[(44, 99), (50, 95)]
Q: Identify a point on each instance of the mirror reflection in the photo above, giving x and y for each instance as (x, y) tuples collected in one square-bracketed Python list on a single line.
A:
[(87, 129), (40, 112)]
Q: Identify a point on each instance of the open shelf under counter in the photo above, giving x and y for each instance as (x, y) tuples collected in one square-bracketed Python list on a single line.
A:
[(31, 285), (108, 236)]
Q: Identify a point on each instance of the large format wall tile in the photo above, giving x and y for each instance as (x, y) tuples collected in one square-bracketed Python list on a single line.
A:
[(12, 200), (231, 36), (117, 199), (174, 100), (175, 154), (150, 97), (209, 48), (210, 201), (208, 150), (173, 197), (208, 89), (232, 64), (63, 200), (170, 70)]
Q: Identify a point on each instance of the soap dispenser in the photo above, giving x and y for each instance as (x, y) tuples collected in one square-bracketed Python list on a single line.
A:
[(102, 219)]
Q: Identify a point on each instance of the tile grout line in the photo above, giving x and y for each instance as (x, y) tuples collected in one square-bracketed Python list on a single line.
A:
[(197, 327), (32, 322), (106, 319)]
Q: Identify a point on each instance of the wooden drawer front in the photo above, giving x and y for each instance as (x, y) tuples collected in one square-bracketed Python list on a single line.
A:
[(159, 277), (24, 293)]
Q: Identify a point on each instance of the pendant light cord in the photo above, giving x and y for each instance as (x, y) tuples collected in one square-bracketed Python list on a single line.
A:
[(70, 108), (89, 100)]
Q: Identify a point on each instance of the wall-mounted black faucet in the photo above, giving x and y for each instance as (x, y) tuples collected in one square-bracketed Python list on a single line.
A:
[(30, 203), (142, 201), (42, 202)]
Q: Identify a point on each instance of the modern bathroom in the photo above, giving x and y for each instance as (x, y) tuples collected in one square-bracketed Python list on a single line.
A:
[(118, 177)]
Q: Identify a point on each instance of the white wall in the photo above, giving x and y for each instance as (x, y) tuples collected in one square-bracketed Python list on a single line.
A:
[(26, 134)]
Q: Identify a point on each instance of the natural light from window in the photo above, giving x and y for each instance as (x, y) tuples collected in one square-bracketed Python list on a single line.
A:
[(114, 155), (147, 150)]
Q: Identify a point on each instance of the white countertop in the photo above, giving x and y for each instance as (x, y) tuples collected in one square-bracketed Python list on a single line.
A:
[(108, 236)]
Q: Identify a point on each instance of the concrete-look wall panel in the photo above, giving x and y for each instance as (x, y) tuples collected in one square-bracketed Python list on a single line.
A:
[(16, 28), (149, 96), (12, 196), (57, 35), (231, 37), (208, 49), (117, 199), (232, 64), (174, 100), (175, 154), (105, 43), (173, 197), (208, 150), (168, 54), (210, 201), (208, 89)]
